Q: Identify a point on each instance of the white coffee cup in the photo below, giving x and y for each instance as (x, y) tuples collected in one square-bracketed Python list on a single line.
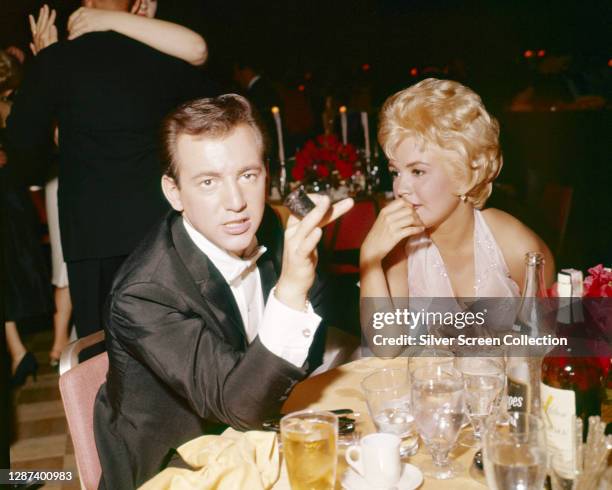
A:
[(377, 459)]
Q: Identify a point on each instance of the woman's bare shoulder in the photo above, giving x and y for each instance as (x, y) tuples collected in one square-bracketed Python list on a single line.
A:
[(515, 239)]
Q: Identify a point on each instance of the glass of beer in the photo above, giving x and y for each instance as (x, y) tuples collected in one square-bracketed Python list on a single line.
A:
[(309, 447)]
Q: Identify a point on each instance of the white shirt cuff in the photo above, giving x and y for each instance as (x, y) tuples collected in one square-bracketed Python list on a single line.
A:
[(286, 332)]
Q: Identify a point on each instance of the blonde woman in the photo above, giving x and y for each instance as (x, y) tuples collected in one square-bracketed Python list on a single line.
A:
[(435, 239)]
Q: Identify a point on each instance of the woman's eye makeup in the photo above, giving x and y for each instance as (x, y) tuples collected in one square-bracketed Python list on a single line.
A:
[(417, 172)]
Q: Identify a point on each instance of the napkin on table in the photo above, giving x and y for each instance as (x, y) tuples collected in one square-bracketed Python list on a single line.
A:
[(227, 462)]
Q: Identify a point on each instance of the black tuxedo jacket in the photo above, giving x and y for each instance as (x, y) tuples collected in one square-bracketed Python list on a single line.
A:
[(179, 360), (108, 95)]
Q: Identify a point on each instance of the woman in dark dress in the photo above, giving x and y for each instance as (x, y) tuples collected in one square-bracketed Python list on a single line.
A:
[(27, 287)]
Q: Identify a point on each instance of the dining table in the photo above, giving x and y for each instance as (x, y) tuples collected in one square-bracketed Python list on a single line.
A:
[(339, 388)]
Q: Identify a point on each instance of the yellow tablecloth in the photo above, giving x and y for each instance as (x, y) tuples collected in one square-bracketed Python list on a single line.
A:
[(339, 388)]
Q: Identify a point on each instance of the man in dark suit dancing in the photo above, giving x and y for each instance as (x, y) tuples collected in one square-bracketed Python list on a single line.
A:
[(108, 94), (212, 319)]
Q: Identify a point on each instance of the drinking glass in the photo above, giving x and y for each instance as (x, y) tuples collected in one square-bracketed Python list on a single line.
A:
[(430, 357), (483, 379), (438, 397), (514, 451), (309, 447), (387, 393)]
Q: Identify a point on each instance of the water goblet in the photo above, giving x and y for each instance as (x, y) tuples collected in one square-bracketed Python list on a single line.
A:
[(438, 398), (483, 380), (387, 393), (430, 357)]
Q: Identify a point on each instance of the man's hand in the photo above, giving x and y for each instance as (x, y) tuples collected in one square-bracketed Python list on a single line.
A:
[(44, 32), (300, 250)]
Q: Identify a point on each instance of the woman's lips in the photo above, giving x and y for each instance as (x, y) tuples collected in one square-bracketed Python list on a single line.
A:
[(237, 227)]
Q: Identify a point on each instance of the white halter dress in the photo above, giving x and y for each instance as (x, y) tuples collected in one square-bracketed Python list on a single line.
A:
[(427, 276)]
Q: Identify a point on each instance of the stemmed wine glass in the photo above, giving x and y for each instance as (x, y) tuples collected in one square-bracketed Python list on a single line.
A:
[(438, 398), (483, 379)]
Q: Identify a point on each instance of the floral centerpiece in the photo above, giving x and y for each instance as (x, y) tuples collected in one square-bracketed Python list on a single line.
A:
[(323, 160), (598, 284)]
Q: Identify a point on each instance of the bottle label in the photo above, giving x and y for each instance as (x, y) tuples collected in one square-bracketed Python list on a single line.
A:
[(518, 395), (559, 415)]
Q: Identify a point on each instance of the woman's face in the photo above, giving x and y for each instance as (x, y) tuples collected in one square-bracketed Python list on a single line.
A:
[(421, 178), (148, 8)]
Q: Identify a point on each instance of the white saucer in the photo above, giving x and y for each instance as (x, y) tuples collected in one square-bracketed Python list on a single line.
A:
[(411, 478)]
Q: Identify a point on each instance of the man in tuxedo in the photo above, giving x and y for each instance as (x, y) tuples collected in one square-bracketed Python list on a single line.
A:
[(211, 321), (108, 94)]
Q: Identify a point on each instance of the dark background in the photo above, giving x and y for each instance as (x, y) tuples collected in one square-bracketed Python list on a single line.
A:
[(323, 45), (333, 38)]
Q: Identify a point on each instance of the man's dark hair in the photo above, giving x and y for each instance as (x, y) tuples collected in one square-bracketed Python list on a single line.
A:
[(206, 118)]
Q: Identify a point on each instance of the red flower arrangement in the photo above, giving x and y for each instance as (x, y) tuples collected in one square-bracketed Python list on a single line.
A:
[(320, 157), (598, 284)]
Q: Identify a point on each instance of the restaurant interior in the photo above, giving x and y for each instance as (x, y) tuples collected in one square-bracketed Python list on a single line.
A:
[(542, 69)]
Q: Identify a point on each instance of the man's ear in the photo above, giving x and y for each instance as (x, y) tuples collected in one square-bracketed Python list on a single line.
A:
[(136, 6), (172, 193)]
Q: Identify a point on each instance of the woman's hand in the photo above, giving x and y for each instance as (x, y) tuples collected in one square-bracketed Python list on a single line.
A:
[(44, 32), (85, 19), (394, 223)]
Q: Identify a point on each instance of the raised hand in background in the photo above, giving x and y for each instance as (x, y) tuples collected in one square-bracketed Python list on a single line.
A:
[(44, 32)]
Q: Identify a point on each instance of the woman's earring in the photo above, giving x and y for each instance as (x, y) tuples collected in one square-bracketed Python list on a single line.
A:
[(463, 197)]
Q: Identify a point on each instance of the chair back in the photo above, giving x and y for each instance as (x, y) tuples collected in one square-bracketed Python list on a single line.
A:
[(342, 239), (351, 229), (79, 385)]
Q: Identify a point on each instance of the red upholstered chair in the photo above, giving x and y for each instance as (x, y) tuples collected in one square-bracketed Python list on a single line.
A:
[(344, 237), (79, 385)]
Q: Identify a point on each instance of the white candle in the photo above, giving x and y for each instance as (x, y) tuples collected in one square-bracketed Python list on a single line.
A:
[(366, 133), (343, 125), (279, 134)]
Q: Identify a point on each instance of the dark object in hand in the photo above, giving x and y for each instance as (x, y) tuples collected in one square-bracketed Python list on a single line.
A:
[(299, 203)]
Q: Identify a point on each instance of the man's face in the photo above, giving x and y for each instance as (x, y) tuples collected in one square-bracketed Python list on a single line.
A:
[(222, 187)]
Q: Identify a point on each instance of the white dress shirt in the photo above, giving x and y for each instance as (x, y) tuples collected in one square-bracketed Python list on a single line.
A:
[(284, 331)]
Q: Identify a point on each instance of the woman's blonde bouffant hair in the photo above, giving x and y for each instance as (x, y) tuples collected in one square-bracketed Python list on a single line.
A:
[(452, 117)]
